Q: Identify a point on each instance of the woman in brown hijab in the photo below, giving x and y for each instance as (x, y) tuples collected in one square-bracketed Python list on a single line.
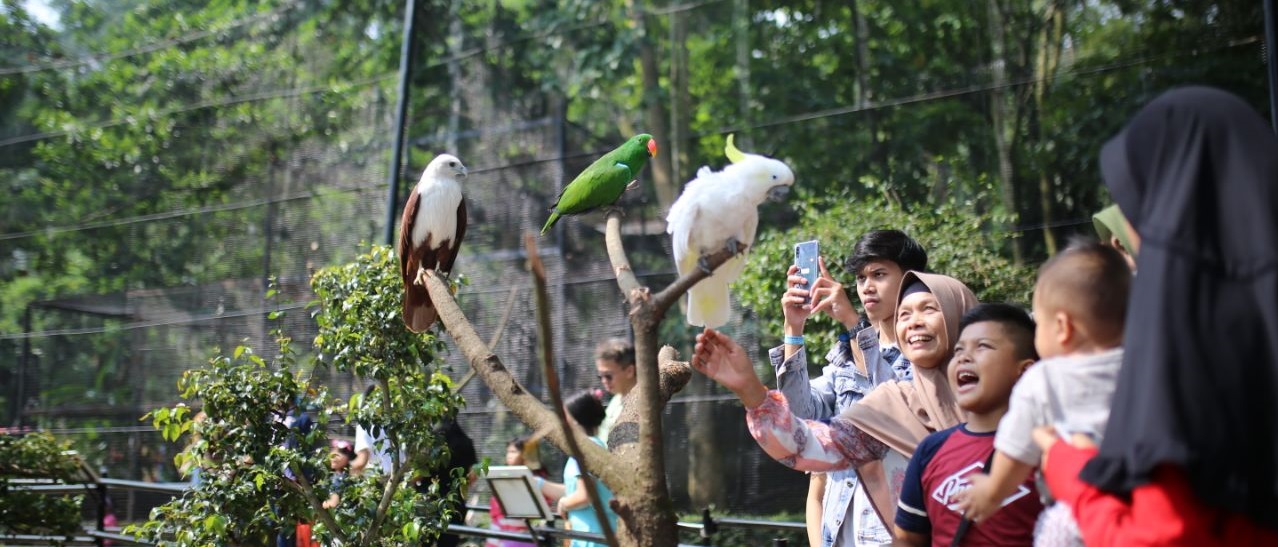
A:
[(895, 416)]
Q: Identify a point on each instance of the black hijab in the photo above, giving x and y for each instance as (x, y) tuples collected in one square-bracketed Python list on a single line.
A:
[(1196, 173)]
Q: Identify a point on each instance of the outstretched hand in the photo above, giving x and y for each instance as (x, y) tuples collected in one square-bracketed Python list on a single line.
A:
[(724, 361)]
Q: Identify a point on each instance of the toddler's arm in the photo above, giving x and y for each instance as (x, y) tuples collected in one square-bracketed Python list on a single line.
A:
[(987, 492)]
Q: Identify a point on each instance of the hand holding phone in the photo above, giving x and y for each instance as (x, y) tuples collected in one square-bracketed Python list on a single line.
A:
[(806, 254)]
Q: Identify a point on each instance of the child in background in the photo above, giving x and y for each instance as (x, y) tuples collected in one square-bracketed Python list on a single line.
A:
[(339, 460), (1080, 303), (585, 409), (520, 451), (995, 347)]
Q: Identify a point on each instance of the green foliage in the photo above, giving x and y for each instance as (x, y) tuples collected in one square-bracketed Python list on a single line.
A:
[(960, 242), (37, 456), (243, 448)]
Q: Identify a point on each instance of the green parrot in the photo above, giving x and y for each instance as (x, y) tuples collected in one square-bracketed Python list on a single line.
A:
[(604, 181)]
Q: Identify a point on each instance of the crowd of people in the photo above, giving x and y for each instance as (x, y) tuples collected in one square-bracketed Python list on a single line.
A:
[(1134, 402), (1120, 409)]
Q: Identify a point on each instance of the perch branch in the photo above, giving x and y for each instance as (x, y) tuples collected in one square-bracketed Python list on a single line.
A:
[(617, 255), (671, 294), (552, 380), (628, 283), (492, 342), (497, 377)]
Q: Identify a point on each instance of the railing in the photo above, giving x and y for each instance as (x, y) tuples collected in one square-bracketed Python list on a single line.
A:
[(540, 535)]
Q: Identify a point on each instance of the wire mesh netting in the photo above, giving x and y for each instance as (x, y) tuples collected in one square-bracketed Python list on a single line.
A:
[(195, 154)]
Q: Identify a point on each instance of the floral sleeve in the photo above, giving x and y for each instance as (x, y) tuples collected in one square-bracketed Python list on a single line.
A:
[(808, 445)]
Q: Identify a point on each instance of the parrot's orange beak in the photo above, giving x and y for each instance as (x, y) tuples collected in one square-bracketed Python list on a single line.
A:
[(652, 148)]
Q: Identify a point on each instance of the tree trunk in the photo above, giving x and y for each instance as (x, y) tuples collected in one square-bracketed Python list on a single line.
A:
[(680, 106), (999, 118), (654, 110), (635, 468), (741, 37), (864, 98), (1049, 53), (455, 36)]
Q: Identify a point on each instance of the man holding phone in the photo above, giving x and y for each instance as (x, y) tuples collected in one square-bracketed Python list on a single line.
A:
[(839, 513)]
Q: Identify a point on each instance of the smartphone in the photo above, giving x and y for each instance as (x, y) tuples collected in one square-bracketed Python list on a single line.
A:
[(806, 254)]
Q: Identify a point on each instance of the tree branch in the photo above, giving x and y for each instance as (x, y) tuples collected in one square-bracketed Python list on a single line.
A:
[(629, 284), (672, 293), (497, 377), (496, 337), (617, 255), (308, 491), (674, 374), (552, 381), (396, 475)]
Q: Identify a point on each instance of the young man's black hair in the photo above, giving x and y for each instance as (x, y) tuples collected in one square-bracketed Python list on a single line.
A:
[(891, 245)]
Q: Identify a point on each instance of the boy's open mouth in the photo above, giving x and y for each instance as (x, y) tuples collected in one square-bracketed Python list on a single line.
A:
[(966, 378)]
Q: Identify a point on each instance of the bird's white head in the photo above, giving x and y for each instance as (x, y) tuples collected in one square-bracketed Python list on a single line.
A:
[(445, 166), (770, 177)]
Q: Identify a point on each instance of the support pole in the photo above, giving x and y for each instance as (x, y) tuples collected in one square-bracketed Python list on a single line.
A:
[(1271, 41), (401, 114)]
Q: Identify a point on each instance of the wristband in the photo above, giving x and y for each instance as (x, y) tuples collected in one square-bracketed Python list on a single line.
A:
[(794, 340)]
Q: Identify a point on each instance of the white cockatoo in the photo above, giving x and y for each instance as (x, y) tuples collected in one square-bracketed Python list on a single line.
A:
[(720, 210), (430, 234)]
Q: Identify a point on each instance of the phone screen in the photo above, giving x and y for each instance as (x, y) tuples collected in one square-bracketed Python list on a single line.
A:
[(805, 257)]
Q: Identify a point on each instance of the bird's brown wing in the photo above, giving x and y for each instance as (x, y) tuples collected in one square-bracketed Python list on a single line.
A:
[(418, 312), (407, 260)]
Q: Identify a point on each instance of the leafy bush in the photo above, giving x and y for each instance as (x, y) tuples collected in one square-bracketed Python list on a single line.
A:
[(243, 447), (37, 456), (957, 237)]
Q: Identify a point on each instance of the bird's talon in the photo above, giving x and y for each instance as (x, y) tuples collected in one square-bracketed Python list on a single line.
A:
[(704, 266), (732, 245)]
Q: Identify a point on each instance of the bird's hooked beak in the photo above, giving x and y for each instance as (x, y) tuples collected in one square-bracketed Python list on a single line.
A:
[(461, 171), (652, 148), (778, 193)]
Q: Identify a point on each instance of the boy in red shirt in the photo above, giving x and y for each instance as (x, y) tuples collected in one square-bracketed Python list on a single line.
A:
[(996, 345)]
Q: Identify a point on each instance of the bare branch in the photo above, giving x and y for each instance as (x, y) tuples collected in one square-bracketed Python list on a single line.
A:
[(552, 380), (617, 255), (671, 294), (396, 475), (304, 486), (496, 337), (674, 374), (497, 377), (629, 284)]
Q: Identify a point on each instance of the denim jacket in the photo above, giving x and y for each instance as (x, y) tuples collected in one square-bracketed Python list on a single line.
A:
[(841, 383)]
